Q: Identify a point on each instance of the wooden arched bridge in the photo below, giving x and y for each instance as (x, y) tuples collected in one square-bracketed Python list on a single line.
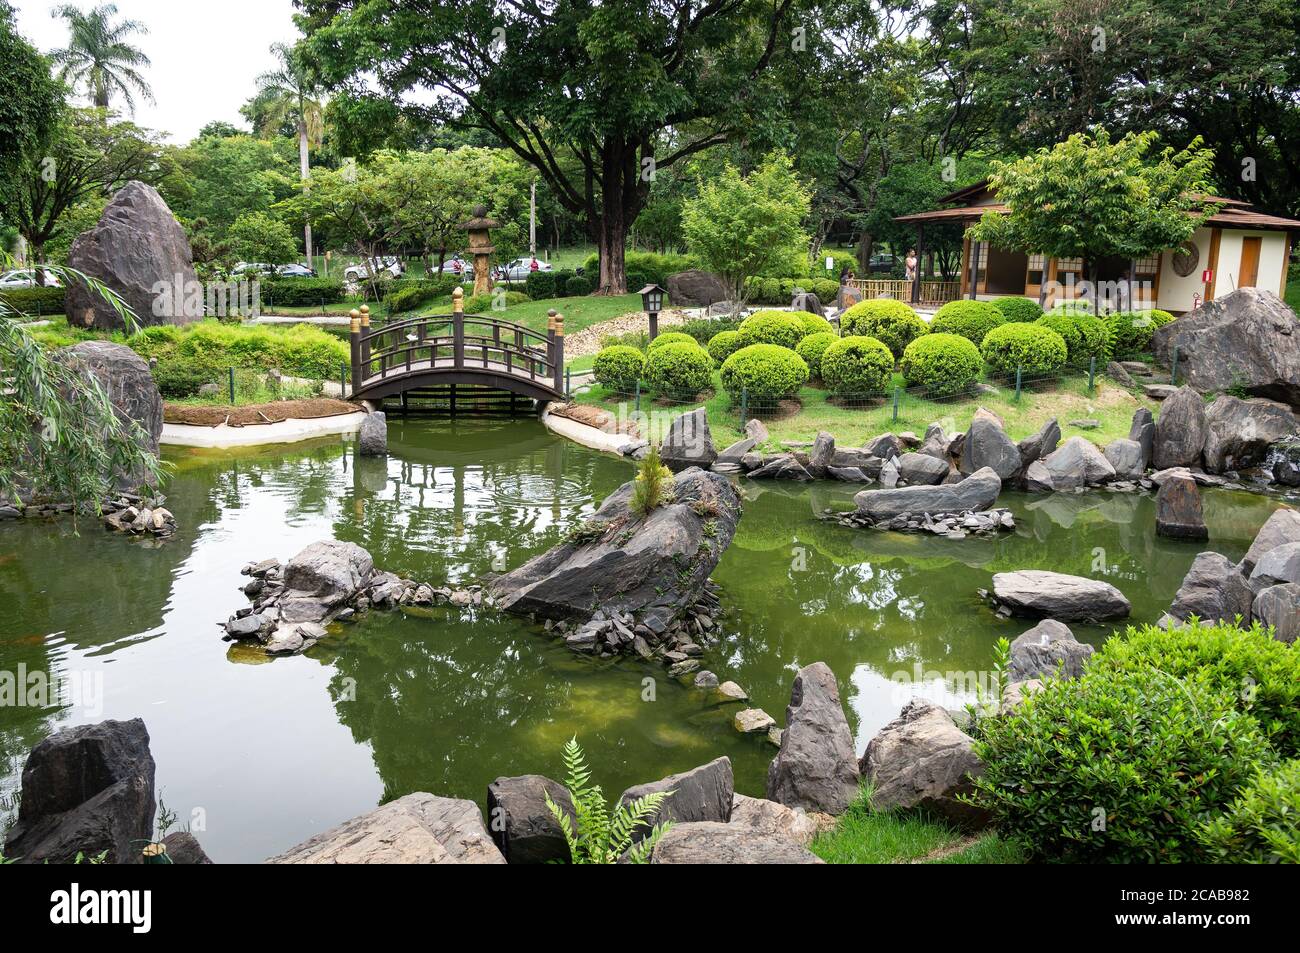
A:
[(446, 351)]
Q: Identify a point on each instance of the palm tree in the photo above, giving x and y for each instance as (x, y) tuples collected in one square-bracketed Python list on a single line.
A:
[(290, 93), (99, 58)]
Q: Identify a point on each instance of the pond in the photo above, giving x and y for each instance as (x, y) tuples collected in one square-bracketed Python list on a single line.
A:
[(258, 755)]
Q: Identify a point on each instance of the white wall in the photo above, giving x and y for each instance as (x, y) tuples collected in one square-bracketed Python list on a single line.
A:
[(1175, 291), (1272, 251)]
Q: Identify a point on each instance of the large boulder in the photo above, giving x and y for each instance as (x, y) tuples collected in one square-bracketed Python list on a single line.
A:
[(1180, 431), (689, 442), (988, 446), (935, 443), (87, 790), (979, 491), (1143, 432), (1048, 650), (1213, 590), (1078, 462), (695, 289), (124, 377), (1279, 606), (922, 759), (767, 817), (522, 825), (322, 579), (1178, 510), (1283, 526), (625, 562), (921, 469), (1279, 565), (140, 251), (1239, 432), (700, 794), (1038, 593), (821, 454), (416, 829), (372, 440), (1127, 458), (711, 842), (1248, 339), (1040, 444), (816, 768)]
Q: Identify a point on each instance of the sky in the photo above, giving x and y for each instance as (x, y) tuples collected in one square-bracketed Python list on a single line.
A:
[(206, 55)]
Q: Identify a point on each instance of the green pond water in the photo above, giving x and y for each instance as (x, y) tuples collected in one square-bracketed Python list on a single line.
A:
[(260, 755)]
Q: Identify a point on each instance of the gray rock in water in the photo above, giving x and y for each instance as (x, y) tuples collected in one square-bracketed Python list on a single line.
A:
[(322, 579), (1246, 339), (1078, 462), (781, 467), (816, 768), (700, 794), (889, 473), (372, 441), (1048, 650), (1040, 444), (847, 475), (1213, 590), (1178, 510), (1143, 432), (1038, 593), (689, 442), (416, 829), (922, 759), (987, 445), (1038, 479), (1283, 526), (183, 848), (922, 469), (1279, 606), (136, 244), (1279, 565), (695, 289), (1126, 457), (730, 844), (1239, 432), (735, 453), (658, 563), (522, 825), (979, 491), (823, 450), (1180, 431), (88, 790)]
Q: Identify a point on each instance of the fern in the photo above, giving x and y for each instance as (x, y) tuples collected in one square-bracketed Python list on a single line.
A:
[(593, 835)]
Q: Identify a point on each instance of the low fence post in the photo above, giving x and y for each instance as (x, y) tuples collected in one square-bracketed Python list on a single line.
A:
[(232, 385), (1018, 369), (354, 337), (558, 354), (1092, 373), (1173, 368)]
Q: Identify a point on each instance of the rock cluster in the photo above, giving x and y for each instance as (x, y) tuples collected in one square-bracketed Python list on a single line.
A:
[(948, 525), (138, 516)]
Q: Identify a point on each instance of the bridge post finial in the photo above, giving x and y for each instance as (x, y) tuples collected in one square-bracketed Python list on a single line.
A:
[(365, 315), (458, 299)]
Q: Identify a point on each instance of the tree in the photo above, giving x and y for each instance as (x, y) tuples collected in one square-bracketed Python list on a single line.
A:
[(257, 237), (289, 93), (742, 225), (221, 178), (1091, 198), (625, 88), (99, 57)]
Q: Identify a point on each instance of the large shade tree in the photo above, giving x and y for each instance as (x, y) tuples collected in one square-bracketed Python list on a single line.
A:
[(625, 87), (99, 58)]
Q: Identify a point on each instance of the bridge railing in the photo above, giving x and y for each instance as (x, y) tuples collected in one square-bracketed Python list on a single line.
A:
[(456, 341)]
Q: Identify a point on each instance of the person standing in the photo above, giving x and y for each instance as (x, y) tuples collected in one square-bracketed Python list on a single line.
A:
[(910, 264)]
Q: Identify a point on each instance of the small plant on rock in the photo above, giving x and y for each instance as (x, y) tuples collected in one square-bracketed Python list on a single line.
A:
[(593, 834), (653, 486)]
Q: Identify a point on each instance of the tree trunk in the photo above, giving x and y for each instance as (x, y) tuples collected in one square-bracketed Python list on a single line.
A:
[(304, 167), (866, 244)]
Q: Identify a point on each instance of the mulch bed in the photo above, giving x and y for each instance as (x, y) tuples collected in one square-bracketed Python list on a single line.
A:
[(212, 415)]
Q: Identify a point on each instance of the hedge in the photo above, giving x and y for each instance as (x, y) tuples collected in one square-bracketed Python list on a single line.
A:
[(34, 302), (705, 330), (763, 372), (813, 323), (944, 363), (772, 327), (1085, 335), (813, 347), (782, 290), (671, 337), (540, 285), (618, 368), (481, 304), (576, 286), (1031, 347), (1263, 824), (1022, 310), (1131, 332), (971, 319), (724, 344), (888, 320), (210, 346), (680, 369), (857, 365), (650, 266), (302, 292)]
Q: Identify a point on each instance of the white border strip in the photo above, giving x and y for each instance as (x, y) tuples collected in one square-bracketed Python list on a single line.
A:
[(285, 431)]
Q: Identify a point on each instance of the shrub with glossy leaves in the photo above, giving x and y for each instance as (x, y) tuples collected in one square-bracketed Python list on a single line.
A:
[(891, 322), (1085, 335), (781, 328), (813, 347), (1016, 309), (857, 365), (971, 319), (1131, 332), (671, 337), (680, 369), (1031, 347), (724, 344), (944, 363), (618, 368), (766, 372), (1262, 826)]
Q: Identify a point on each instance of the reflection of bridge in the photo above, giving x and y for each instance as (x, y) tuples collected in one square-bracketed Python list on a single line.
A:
[(440, 353)]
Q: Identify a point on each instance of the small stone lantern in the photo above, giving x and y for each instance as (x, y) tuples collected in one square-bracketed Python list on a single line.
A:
[(480, 246), (652, 300)]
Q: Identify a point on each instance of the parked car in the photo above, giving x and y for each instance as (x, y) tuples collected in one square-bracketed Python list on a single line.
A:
[(252, 268), (387, 266), (520, 269), (881, 264), (26, 278), (456, 265), (295, 270)]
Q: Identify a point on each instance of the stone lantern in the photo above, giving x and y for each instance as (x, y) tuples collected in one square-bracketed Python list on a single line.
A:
[(480, 246)]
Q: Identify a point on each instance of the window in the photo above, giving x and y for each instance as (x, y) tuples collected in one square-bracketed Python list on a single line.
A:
[(1034, 273)]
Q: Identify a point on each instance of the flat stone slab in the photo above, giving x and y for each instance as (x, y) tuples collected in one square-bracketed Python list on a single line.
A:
[(979, 491), (1038, 593)]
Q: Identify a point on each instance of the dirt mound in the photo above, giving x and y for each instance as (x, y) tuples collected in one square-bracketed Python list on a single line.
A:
[(214, 415)]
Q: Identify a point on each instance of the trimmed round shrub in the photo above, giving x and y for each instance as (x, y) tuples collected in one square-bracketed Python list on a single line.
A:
[(681, 369), (971, 319), (670, 337), (813, 347), (724, 344), (1031, 347), (891, 322), (945, 363), (813, 323), (1085, 335), (781, 328), (1263, 824), (1022, 310), (857, 365), (618, 368), (578, 285), (766, 372), (1131, 332)]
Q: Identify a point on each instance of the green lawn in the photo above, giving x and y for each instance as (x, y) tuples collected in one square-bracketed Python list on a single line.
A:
[(579, 312)]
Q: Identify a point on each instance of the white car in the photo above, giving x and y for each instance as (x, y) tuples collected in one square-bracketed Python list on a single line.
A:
[(521, 268), (26, 278), (378, 267)]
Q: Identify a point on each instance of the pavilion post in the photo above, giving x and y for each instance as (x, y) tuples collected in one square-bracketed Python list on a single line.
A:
[(974, 269), (920, 255)]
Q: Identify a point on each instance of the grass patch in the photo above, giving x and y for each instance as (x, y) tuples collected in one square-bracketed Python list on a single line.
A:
[(580, 312)]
